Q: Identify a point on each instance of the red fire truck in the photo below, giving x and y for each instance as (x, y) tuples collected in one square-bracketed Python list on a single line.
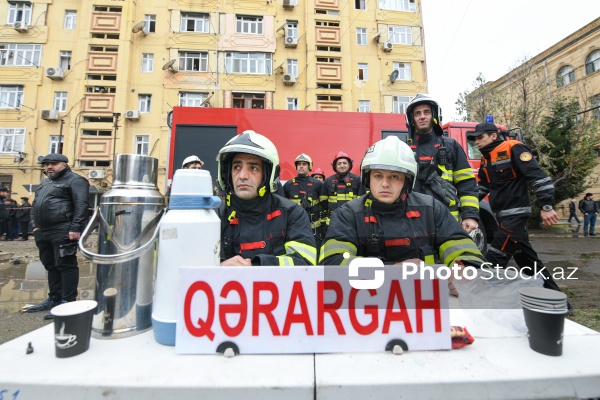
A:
[(321, 135)]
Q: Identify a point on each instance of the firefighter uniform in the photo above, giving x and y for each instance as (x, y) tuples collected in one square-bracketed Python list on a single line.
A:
[(305, 191), (270, 230), (507, 169), (442, 157), (416, 226)]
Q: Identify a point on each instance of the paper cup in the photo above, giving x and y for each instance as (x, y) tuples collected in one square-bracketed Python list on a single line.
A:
[(545, 330), (73, 327)]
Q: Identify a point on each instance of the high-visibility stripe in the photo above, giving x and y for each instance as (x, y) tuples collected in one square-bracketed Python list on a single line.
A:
[(253, 245), (469, 201), (413, 214), (515, 211), (333, 247), (463, 174), (397, 242), (430, 259), (425, 158), (274, 214), (308, 252), (285, 261), (453, 249)]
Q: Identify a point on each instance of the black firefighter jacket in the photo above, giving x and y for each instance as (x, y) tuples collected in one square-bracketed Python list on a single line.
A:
[(507, 169), (270, 230)]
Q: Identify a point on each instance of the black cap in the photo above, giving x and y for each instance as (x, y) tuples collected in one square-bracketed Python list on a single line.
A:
[(4, 189), (53, 158), (25, 198), (482, 128)]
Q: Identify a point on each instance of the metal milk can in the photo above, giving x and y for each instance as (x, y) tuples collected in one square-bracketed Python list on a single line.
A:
[(127, 219)]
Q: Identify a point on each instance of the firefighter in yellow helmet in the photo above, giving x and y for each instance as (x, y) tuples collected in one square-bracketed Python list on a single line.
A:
[(304, 191), (259, 227)]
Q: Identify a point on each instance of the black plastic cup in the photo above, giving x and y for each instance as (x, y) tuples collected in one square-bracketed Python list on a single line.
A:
[(73, 327), (545, 330)]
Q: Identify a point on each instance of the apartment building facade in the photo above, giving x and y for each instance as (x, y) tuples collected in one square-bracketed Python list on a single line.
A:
[(92, 79)]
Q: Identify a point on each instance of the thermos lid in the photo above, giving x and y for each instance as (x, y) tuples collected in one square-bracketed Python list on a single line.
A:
[(133, 170)]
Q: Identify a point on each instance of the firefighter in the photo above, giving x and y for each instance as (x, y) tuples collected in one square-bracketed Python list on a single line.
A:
[(507, 169), (304, 191), (444, 171), (259, 227), (392, 222), (318, 174), (340, 187), (192, 162)]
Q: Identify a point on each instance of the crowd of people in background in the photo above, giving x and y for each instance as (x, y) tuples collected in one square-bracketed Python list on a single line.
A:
[(14, 217)]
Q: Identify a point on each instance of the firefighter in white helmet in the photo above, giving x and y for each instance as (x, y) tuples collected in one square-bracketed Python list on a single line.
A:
[(304, 191), (259, 227), (192, 162), (392, 222), (444, 171)]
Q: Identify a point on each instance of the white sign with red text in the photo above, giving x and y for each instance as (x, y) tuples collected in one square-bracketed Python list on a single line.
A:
[(275, 310)]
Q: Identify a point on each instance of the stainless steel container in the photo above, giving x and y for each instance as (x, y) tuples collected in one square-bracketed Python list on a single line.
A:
[(128, 219)]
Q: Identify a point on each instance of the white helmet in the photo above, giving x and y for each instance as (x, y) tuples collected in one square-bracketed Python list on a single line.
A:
[(436, 112), (305, 158), (249, 142), (191, 159), (391, 154)]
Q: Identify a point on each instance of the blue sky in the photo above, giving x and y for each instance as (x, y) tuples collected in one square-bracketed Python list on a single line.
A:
[(465, 37)]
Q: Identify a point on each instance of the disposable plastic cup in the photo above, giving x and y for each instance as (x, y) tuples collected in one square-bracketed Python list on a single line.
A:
[(73, 327), (545, 330)]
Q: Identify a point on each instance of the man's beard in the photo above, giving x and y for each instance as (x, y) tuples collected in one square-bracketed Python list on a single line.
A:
[(52, 175)]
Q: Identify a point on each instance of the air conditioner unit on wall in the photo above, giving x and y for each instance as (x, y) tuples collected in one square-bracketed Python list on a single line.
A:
[(50, 115), (96, 174), (55, 73), (289, 79), (132, 114), (291, 41), (21, 26), (388, 46), (290, 4)]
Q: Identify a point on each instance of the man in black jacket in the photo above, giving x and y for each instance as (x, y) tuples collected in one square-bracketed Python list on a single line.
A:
[(589, 209), (59, 213), (4, 193), (23, 216)]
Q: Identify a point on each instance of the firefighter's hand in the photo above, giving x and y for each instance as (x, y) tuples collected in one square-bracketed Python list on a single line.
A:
[(237, 261), (549, 217), (469, 224)]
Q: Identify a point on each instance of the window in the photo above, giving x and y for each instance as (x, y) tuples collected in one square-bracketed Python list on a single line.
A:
[(327, 23), (150, 23), (321, 85), (189, 99), (60, 101), (292, 67), (20, 54), (361, 36), (144, 101), (327, 12), (193, 61), (565, 76), (398, 5), (147, 62), (324, 97), (360, 4), (403, 69), (592, 62), (400, 34), (333, 60), (253, 25), (292, 103), (364, 106), (19, 12), (56, 145), (142, 144), (12, 140), (248, 100), (291, 29), (11, 96), (596, 103), (248, 63), (105, 49), (70, 19), (64, 60), (194, 22), (111, 9), (363, 72), (94, 163), (95, 132), (399, 104)]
